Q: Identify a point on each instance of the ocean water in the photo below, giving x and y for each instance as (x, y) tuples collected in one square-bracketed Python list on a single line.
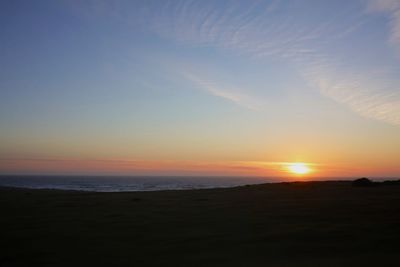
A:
[(126, 183)]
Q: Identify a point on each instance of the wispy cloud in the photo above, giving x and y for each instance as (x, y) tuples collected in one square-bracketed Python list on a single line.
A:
[(241, 28), (232, 94), (260, 29), (377, 98), (247, 31), (392, 9), (140, 167)]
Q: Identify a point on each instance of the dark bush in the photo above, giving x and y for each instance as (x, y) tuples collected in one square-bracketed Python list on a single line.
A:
[(363, 182)]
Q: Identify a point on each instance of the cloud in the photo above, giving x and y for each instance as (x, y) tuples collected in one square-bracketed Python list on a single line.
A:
[(377, 98), (367, 93), (289, 31), (232, 94), (138, 167), (240, 28), (392, 9)]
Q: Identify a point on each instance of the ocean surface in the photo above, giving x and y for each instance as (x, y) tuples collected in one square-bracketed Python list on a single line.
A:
[(126, 183)]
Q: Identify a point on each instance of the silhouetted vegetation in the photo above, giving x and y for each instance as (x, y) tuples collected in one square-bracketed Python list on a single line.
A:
[(363, 182)]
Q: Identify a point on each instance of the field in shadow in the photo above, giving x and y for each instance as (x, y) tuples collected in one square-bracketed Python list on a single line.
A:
[(284, 224)]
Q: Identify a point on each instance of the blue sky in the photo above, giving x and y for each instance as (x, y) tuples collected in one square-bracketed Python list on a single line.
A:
[(201, 80)]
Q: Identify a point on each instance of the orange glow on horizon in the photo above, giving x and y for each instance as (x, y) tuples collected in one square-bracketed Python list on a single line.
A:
[(283, 170)]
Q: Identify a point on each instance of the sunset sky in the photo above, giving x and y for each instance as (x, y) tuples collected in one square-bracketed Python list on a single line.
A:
[(200, 87)]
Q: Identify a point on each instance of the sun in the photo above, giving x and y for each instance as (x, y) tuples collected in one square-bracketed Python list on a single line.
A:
[(298, 168)]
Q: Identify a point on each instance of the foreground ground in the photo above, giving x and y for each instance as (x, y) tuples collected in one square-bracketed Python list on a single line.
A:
[(289, 224)]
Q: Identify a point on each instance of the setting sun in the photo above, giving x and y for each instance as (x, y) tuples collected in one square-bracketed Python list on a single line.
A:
[(298, 168)]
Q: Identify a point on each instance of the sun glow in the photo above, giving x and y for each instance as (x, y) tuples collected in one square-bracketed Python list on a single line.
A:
[(298, 168)]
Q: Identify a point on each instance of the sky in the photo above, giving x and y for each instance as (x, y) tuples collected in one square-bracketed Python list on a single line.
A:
[(227, 88)]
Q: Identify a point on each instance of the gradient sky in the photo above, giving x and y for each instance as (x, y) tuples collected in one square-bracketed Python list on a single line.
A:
[(200, 87)]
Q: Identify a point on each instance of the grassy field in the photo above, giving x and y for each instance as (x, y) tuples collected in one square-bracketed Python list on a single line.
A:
[(286, 224)]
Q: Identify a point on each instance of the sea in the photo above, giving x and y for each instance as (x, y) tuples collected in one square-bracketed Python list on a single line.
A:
[(126, 183)]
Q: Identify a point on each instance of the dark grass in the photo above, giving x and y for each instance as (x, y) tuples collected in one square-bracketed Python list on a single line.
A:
[(285, 224)]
